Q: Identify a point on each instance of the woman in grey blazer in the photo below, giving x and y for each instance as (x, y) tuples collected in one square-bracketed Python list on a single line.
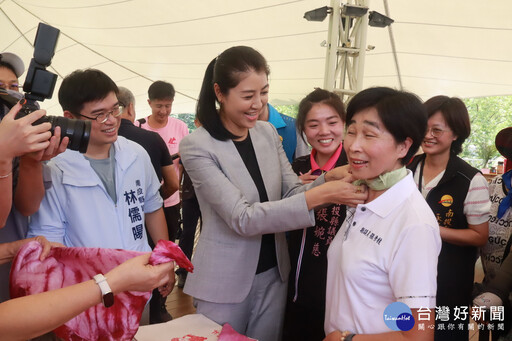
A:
[(249, 196)]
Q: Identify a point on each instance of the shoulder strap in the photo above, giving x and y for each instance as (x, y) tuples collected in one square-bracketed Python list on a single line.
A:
[(141, 121)]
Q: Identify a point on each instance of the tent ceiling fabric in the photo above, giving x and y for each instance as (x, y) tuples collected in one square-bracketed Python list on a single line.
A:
[(458, 47)]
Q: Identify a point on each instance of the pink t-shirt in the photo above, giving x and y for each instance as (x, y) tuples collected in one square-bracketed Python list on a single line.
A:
[(172, 133)]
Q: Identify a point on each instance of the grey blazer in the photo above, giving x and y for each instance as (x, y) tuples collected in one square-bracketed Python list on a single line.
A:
[(234, 220)]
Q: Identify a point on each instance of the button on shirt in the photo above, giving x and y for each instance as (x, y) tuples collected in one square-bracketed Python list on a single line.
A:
[(386, 251)]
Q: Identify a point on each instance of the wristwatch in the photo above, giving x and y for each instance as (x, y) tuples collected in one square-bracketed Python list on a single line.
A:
[(349, 337), (107, 296)]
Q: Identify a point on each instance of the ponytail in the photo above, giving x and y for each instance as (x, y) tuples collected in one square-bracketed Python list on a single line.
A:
[(206, 111), (226, 71)]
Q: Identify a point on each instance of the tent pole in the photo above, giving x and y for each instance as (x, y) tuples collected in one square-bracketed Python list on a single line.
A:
[(332, 44), (393, 47)]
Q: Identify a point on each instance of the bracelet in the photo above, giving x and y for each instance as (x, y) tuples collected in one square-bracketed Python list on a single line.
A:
[(6, 175)]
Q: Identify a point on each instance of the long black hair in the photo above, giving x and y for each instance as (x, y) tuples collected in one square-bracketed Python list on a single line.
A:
[(225, 71)]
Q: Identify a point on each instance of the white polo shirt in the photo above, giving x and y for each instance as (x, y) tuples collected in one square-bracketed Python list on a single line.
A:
[(386, 251)]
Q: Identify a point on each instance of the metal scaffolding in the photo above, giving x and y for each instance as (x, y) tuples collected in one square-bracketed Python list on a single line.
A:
[(346, 47)]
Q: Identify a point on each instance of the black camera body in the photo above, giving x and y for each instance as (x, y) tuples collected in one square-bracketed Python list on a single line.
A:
[(39, 85), (78, 131)]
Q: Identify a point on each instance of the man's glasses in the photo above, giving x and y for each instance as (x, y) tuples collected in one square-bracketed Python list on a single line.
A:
[(10, 86), (102, 117), (436, 132)]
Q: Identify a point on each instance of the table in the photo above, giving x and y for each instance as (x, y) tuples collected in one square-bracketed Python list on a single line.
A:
[(490, 176), (193, 327)]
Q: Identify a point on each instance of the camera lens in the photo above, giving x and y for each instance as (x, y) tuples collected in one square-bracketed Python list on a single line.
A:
[(78, 131)]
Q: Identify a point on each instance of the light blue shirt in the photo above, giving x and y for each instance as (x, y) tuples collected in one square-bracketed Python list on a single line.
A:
[(77, 210), (293, 144), (274, 117)]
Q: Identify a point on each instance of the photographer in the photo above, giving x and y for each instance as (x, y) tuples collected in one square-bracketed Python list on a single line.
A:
[(21, 175), (32, 144), (11, 68)]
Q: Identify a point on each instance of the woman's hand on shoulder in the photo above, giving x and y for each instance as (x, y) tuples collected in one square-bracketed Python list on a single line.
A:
[(346, 193), (339, 173), (336, 192)]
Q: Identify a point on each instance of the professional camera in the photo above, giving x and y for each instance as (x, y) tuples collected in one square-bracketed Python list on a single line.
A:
[(39, 85)]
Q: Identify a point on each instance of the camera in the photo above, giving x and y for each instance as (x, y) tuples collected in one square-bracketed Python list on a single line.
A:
[(39, 85)]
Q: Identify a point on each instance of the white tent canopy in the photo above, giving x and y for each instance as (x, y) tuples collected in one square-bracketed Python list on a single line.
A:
[(457, 47)]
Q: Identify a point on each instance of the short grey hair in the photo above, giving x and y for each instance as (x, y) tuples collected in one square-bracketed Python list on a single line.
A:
[(125, 96)]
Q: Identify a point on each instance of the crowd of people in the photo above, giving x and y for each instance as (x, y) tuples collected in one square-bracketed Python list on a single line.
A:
[(296, 243)]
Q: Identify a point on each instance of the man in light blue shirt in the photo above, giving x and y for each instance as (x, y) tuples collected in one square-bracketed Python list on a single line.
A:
[(103, 197)]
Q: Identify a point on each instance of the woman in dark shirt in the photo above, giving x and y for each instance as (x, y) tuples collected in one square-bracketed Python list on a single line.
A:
[(321, 118)]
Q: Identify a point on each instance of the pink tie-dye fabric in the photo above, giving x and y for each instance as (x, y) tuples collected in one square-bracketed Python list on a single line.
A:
[(229, 334), (67, 266), (166, 251)]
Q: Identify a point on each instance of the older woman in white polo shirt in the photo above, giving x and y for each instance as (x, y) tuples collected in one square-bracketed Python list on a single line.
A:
[(387, 249)]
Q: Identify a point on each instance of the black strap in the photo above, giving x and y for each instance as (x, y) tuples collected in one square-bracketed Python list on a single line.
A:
[(421, 173), (141, 121)]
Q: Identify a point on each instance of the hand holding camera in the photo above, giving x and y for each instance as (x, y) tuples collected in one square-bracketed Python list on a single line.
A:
[(39, 85), (19, 136)]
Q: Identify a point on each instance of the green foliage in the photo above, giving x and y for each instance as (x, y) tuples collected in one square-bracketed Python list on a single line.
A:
[(290, 110), (488, 116), (188, 119)]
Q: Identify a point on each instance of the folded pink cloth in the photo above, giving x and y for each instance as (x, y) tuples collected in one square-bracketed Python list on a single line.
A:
[(166, 251), (67, 266), (229, 334)]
